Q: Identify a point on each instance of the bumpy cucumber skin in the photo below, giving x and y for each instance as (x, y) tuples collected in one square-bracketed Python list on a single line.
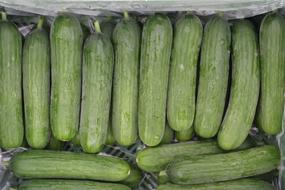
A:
[(59, 164), (126, 38), (244, 86), (66, 48), (272, 49), (184, 135), (213, 81), (63, 184), (241, 184), (154, 68), (11, 109), (183, 69), (235, 165), (36, 87), (98, 62)]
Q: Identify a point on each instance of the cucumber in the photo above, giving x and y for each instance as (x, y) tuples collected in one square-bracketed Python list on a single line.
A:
[(66, 48), (76, 140), (60, 164), (241, 184), (272, 48), (154, 68), (157, 158), (182, 78), (134, 178), (224, 167), (185, 135), (107, 27), (98, 62), (168, 135), (213, 81), (36, 86), (11, 114), (63, 184), (55, 144), (244, 86), (110, 137), (126, 38)]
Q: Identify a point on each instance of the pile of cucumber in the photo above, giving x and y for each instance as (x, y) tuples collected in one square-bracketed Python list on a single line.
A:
[(156, 82)]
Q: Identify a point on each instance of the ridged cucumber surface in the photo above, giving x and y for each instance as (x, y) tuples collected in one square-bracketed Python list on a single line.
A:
[(11, 109), (126, 38), (154, 69), (66, 50), (184, 135), (245, 83), (64, 184), (98, 62), (213, 77), (36, 87), (71, 165), (224, 167), (182, 78), (272, 62)]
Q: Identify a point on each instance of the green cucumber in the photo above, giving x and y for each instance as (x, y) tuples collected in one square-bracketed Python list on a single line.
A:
[(76, 140), (64, 184), (244, 86), (55, 144), (126, 38), (272, 48), (223, 167), (168, 135), (182, 77), (107, 27), (241, 184), (66, 48), (154, 69), (185, 135), (11, 109), (36, 86), (110, 137), (134, 178), (97, 73), (60, 164), (213, 81)]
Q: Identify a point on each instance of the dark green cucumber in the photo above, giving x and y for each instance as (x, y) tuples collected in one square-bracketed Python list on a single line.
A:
[(134, 178), (244, 86), (213, 81), (224, 167), (272, 49), (110, 137), (182, 78), (76, 140), (55, 144), (154, 68), (241, 184), (126, 38), (66, 49), (107, 27), (36, 86), (56, 164), (168, 135), (64, 184), (156, 159), (185, 135), (98, 62), (11, 114)]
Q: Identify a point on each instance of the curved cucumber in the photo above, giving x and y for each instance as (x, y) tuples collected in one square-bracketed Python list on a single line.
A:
[(182, 78), (126, 38), (272, 48), (11, 114), (36, 87), (244, 86), (98, 61), (66, 48), (154, 68), (184, 135), (213, 81)]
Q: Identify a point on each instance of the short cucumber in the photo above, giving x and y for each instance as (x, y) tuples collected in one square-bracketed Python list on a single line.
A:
[(184, 135)]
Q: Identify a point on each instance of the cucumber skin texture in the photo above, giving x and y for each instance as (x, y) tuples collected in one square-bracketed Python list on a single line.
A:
[(157, 158), (154, 69), (183, 69), (66, 48), (213, 81), (244, 86), (61, 184), (184, 135), (126, 39), (36, 88), (11, 109), (168, 135), (235, 165), (271, 101), (60, 164), (233, 185), (98, 63)]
